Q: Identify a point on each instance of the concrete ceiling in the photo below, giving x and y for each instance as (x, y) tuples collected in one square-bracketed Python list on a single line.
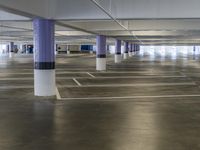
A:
[(153, 22)]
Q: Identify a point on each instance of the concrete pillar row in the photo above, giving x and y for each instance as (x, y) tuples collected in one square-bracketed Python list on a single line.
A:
[(118, 55), (126, 49), (101, 53), (44, 57)]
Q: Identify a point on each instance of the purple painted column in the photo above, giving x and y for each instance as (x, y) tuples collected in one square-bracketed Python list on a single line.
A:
[(126, 47), (118, 47), (101, 46), (101, 52), (11, 47), (130, 49), (135, 47), (44, 57)]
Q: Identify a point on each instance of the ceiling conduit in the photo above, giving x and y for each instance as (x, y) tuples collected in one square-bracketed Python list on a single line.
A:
[(115, 20)]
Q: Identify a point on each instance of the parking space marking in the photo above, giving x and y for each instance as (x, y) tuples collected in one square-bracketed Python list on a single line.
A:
[(57, 94), (129, 97), (16, 87), (121, 77), (108, 77), (76, 81), (127, 85), (90, 75)]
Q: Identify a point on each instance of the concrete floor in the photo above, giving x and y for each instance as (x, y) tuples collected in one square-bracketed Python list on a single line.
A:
[(144, 103)]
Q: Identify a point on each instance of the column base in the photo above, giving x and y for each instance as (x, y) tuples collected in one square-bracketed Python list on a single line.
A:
[(11, 54), (68, 52), (125, 55), (118, 58), (44, 82), (130, 54), (91, 52), (100, 64)]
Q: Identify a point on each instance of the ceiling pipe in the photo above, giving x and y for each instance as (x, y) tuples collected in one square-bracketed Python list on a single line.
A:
[(115, 20)]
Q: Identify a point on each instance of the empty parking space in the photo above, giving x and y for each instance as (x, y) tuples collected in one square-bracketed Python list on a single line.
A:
[(151, 80), (85, 92)]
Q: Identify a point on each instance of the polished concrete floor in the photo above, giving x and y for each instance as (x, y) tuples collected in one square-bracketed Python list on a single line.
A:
[(144, 103)]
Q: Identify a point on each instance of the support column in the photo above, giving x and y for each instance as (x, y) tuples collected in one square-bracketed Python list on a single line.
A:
[(194, 48), (7, 49), (133, 49), (27, 49), (68, 49), (55, 48), (130, 50), (91, 50), (138, 48), (118, 55), (11, 49), (126, 49), (107, 49), (101, 53), (21, 48), (44, 57)]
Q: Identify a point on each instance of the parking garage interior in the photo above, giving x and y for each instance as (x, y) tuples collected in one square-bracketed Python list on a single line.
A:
[(99, 75)]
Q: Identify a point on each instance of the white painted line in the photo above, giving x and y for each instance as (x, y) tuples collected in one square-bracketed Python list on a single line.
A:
[(129, 97), (71, 72), (90, 75), (16, 87), (121, 77), (16, 73), (112, 77), (129, 85), (76, 81), (151, 72), (57, 94), (3, 79)]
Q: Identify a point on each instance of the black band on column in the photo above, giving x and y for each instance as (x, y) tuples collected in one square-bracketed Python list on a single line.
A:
[(118, 53), (101, 56), (44, 65)]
